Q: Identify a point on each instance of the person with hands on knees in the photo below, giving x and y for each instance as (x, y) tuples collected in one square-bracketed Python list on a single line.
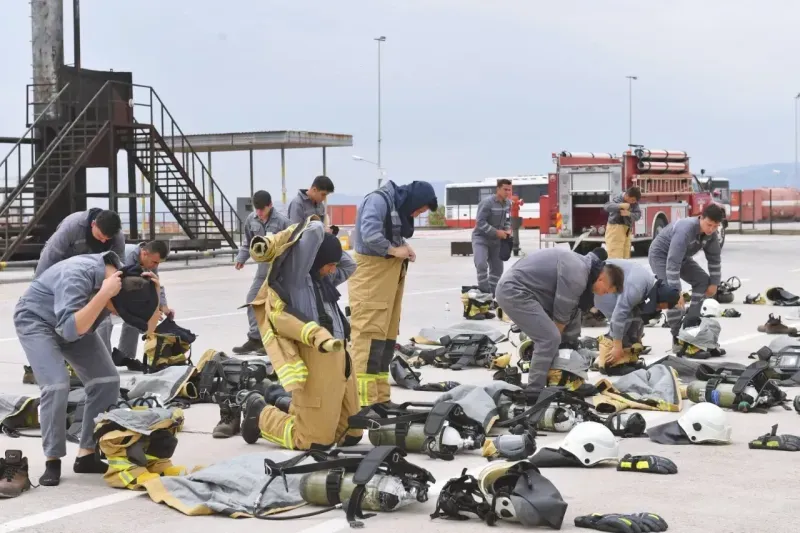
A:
[(623, 213), (305, 333), (262, 222), (384, 222), (492, 225), (56, 320), (671, 255), (544, 295)]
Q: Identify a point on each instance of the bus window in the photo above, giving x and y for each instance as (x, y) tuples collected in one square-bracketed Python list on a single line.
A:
[(529, 193), (462, 196)]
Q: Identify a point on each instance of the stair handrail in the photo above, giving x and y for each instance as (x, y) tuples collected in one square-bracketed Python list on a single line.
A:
[(35, 123), (50, 149), (191, 148)]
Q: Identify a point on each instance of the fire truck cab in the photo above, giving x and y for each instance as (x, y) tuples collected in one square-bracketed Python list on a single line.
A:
[(585, 181)]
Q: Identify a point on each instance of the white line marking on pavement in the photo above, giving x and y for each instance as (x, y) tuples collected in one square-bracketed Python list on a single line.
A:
[(69, 510), (742, 338)]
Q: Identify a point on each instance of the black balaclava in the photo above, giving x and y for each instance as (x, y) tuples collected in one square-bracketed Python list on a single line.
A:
[(94, 245), (330, 251), (411, 197), (136, 307), (660, 293)]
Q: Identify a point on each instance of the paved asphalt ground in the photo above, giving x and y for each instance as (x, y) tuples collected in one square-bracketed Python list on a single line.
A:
[(718, 489)]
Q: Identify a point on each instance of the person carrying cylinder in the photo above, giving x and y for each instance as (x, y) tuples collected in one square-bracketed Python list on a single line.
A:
[(311, 201), (642, 299), (671, 260), (147, 256), (305, 333), (56, 319), (544, 294), (385, 219), (492, 225), (262, 222), (623, 213)]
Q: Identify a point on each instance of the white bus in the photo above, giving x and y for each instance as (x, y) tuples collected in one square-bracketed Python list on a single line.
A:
[(461, 199)]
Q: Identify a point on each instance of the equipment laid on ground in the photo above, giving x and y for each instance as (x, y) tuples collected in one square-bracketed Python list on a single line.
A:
[(502, 490), (782, 356), (755, 299), (700, 341), (782, 297), (652, 464), (725, 290), (169, 345), (622, 523), (741, 390), (404, 376), (710, 308), (14, 479), (774, 326), (221, 373), (591, 443), (702, 423), (477, 304), (509, 447), (773, 441)]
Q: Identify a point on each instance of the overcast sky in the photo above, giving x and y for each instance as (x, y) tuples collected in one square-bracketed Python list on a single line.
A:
[(471, 88)]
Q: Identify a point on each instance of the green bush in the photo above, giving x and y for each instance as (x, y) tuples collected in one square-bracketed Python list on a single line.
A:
[(437, 218)]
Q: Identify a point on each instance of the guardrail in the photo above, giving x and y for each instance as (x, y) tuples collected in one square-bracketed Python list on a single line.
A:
[(176, 256)]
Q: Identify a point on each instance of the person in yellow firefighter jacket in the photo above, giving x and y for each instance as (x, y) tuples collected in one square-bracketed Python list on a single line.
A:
[(305, 334), (384, 221)]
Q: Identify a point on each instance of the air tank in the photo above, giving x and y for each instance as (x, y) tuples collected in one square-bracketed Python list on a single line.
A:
[(661, 155), (382, 492), (656, 166), (385, 436), (722, 395)]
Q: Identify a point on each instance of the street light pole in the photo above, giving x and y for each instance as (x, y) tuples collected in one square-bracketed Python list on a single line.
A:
[(380, 40), (630, 108), (794, 178)]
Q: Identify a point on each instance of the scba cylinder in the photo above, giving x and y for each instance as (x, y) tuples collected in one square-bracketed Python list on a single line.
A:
[(382, 492), (722, 395), (415, 439)]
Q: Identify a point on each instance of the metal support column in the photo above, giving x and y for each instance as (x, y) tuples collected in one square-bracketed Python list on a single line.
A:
[(153, 169), (132, 212), (76, 37), (210, 185), (283, 175), (252, 190), (324, 162), (113, 201)]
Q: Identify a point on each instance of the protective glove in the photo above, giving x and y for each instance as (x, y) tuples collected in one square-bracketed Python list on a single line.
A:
[(615, 523), (730, 313), (647, 463), (773, 441), (649, 522)]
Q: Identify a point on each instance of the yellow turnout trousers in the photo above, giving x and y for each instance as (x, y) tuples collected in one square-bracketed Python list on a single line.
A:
[(319, 411), (618, 241), (376, 299)]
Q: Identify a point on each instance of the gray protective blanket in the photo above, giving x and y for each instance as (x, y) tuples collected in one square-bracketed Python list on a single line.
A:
[(137, 420), (164, 385), (13, 404), (229, 487), (482, 404), (466, 327), (655, 383)]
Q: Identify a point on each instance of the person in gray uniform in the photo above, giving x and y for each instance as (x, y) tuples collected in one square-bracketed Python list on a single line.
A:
[(56, 320), (147, 255), (263, 221), (311, 201), (671, 260), (623, 213), (492, 224), (544, 294), (643, 298)]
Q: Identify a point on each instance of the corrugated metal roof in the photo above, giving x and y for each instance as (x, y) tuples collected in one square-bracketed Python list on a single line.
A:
[(259, 140)]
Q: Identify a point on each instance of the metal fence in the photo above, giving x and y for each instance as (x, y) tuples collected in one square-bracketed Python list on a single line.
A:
[(765, 211)]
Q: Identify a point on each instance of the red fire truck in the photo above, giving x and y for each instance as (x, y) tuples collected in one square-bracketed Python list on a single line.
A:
[(584, 181)]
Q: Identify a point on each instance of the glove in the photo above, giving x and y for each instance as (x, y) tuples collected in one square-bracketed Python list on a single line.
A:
[(608, 522), (647, 463), (772, 441), (332, 345), (648, 522)]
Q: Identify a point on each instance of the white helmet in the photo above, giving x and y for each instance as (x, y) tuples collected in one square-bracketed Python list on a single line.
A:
[(706, 422), (710, 308), (591, 443), (486, 477)]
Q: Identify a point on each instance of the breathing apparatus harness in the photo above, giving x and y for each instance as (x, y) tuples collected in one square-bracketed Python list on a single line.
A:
[(386, 460), (463, 495), (755, 375), (436, 419)]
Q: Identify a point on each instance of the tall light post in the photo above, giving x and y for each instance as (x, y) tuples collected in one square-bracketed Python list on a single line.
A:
[(794, 177), (630, 107), (381, 170), (379, 40)]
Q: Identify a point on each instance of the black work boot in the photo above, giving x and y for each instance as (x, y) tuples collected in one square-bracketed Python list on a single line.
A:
[(230, 421), (251, 346), (251, 413), (27, 377), (276, 395), (14, 478)]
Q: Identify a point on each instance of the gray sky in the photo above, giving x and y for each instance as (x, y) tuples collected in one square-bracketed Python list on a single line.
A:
[(470, 88)]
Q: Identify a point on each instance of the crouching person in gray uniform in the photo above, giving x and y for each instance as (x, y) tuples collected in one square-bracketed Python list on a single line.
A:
[(671, 260), (263, 221), (147, 256), (544, 294), (56, 320), (492, 224)]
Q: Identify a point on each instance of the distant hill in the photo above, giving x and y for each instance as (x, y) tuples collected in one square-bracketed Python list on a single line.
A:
[(349, 199), (756, 176)]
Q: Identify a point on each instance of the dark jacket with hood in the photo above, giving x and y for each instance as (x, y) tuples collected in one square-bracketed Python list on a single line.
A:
[(385, 218), (73, 236)]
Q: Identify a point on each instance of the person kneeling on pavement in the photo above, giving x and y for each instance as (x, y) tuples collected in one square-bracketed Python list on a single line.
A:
[(642, 299), (544, 294), (56, 319), (305, 333)]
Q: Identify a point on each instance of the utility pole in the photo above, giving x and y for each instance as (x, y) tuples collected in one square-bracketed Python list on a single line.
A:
[(794, 177), (630, 108), (76, 37), (380, 40)]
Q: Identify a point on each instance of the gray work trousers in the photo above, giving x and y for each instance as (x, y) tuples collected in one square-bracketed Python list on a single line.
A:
[(46, 352), (487, 263), (694, 275), (533, 320), (128, 342), (258, 281)]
